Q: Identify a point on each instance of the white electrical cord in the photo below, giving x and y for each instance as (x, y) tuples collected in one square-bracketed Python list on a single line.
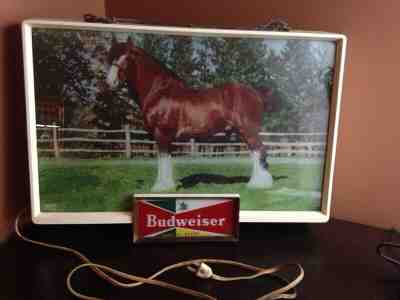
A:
[(200, 267)]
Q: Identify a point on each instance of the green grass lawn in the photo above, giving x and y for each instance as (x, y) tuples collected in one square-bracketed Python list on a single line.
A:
[(107, 185)]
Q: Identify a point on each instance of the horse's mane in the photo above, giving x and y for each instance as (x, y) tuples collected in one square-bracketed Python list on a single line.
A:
[(162, 65)]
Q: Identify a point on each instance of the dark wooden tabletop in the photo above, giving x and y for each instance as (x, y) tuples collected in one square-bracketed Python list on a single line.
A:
[(339, 260)]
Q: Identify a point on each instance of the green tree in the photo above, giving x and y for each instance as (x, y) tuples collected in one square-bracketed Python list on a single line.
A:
[(61, 69), (297, 75), (237, 60), (71, 65), (204, 68), (180, 59)]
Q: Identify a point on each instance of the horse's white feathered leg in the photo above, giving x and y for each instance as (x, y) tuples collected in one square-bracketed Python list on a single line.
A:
[(260, 177), (165, 178)]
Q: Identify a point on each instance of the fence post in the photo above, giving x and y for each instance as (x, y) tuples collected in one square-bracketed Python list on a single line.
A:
[(128, 146), (55, 142), (192, 147)]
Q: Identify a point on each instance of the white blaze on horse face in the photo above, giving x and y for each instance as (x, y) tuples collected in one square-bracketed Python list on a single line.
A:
[(165, 179), (112, 76), (260, 177)]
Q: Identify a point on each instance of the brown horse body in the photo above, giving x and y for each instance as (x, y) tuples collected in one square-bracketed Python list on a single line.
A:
[(173, 111)]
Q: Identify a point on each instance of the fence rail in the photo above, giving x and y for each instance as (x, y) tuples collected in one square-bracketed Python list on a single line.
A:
[(61, 140)]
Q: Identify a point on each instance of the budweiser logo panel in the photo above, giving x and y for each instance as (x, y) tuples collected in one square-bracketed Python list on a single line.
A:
[(186, 217)]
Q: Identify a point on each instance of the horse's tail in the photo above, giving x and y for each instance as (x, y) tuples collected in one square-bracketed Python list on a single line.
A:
[(270, 100)]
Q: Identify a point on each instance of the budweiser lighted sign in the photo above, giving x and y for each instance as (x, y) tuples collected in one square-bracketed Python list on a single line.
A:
[(186, 217), (115, 110)]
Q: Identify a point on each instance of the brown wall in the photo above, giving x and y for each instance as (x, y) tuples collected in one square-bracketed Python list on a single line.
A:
[(13, 160), (367, 167)]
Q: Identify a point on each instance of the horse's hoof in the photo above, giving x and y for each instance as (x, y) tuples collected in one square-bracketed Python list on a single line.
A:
[(259, 185), (262, 180), (264, 185)]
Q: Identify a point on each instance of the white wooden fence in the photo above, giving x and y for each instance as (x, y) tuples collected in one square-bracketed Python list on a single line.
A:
[(55, 140)]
